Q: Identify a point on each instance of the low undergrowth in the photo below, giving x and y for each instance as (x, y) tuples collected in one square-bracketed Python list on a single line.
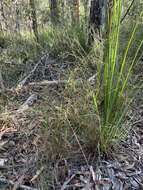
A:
[(17, 56), (89, 114), (95, 116), (20, 52)]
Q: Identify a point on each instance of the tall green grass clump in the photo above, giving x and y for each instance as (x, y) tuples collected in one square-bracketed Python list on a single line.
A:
[(117, 71)]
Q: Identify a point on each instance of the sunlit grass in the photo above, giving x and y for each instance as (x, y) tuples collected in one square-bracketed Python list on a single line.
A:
[(117, 72), (97, 113)]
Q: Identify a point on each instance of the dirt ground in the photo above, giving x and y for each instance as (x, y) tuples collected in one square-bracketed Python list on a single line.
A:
[(23, 160)]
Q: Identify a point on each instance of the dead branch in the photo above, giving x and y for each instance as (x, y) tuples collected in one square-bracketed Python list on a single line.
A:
[(25, 83), (30, 75), (48, 83), (26, 80), (58, 82), (11, 183)]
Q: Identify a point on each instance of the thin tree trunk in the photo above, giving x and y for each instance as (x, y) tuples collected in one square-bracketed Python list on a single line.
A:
[(3, 18), (17, 24), (63, 11), (54, 11), (97, 18), (86, 4), (34, 19), (75, 11)]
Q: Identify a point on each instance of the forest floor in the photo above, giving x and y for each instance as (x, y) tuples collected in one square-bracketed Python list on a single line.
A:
[(24, 159)]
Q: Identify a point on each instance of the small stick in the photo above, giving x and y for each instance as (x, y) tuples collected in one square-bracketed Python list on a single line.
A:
[(128, 10), (46, 82), (1, 81), (139, 121), (67, 182), (37, 174)]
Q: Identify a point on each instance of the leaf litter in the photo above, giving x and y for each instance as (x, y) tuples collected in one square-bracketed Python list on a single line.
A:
[(20, 155)]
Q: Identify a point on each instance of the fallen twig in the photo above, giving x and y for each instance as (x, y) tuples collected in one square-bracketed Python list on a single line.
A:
[(37, 174), (91, 80), (92, 173), (139, 121), (64, 186), (50, 83)]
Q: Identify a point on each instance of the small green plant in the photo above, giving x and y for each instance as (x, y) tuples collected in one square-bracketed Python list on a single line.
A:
[(117, 72)]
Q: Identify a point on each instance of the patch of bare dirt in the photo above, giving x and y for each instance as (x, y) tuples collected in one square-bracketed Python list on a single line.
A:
[(19, 144)]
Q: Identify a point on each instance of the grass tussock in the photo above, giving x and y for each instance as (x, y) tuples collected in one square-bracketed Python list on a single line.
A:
[(74, 115), (97, 114)]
